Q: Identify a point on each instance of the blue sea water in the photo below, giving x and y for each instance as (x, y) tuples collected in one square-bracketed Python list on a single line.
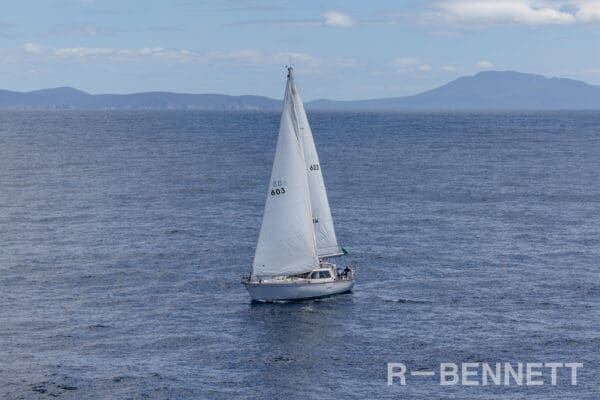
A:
[(123, 236)]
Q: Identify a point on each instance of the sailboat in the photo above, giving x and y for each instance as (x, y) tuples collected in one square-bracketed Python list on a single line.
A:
[(297, 240)]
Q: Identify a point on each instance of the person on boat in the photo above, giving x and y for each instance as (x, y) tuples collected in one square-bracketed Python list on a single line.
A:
[(346, 271)]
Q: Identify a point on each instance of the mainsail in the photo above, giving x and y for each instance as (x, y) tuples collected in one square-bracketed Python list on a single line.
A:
[(286, 243), (327, 245)]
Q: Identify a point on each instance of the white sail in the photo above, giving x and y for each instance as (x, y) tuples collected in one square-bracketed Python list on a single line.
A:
[(327, 245), (286, 243)]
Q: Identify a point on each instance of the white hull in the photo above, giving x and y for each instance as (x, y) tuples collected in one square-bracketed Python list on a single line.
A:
[(296, 290)]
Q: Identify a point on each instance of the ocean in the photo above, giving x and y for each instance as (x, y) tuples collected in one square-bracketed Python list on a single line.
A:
[(476, 239)]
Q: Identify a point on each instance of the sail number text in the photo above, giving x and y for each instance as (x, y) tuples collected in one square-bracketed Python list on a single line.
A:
[(278, 187), (314, 167)]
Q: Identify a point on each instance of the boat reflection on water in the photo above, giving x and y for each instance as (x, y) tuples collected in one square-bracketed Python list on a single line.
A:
[(300, 342)]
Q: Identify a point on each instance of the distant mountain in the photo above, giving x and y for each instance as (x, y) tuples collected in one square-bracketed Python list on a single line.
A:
[(491, 90), (69, 98)]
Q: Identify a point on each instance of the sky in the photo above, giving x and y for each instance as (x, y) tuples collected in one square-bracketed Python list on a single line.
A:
[(339, 49)]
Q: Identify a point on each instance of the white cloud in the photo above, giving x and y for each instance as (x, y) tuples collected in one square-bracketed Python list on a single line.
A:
[(588, 11), (142, 54), (410, 64), (159, 54), (33, 48), (405, 62), (332, 19), (527, 12), (338, 19), (286, 23), (448, 68), (484, 64)]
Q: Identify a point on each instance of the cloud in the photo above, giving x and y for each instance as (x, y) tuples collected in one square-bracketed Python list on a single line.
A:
[(85, 54), (33, 48), (588, 11), (484, 64), (184, 56), (405, 61), (332, 19), (338, 19), (525, 12), (406, 64), (285, 23), (448, 68)]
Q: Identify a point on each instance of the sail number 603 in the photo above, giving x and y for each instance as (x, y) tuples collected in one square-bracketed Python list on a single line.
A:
[(314, 167), (278, 187)]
